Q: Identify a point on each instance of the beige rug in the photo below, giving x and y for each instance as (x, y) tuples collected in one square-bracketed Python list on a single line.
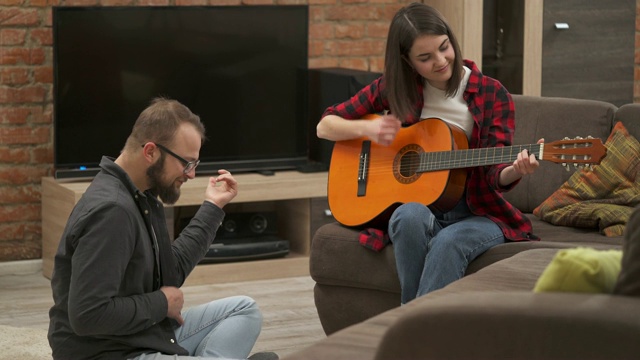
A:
[(23, 343)]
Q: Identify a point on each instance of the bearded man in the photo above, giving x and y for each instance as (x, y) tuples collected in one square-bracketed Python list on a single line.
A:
[(117, 274)]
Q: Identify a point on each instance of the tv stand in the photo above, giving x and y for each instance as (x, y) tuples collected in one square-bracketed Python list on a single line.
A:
[(312, 167), (76, 174), (289, 193)]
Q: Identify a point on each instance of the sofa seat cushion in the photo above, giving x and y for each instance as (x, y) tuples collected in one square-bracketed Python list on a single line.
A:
[(338, 258), (515, 325), (518, 272), (566, 234), (551, 237)]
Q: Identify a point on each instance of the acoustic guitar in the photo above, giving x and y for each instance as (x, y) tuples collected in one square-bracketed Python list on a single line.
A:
[(427, 163)]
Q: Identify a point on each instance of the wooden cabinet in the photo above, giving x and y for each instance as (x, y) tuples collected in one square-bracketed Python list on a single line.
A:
[(289, 193)]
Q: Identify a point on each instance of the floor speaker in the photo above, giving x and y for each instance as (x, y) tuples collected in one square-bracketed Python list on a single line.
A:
[(247, 236), (327, 87), (247, 224)]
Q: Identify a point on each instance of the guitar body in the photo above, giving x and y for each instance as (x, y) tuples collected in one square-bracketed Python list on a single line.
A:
[(391, 179)]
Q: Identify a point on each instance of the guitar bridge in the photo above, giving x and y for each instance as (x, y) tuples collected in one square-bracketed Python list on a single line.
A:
[(363, 167)]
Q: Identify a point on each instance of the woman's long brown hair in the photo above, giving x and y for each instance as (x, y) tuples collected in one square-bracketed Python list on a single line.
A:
[(409, 23)]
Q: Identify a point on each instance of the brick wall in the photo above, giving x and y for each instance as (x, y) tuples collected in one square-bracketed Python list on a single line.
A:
[(25, 123), (344, 33)]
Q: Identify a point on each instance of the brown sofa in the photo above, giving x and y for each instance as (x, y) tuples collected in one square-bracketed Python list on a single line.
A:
[(357, 292)]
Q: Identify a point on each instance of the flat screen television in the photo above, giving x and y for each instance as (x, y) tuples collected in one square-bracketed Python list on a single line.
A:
[(242, 69)]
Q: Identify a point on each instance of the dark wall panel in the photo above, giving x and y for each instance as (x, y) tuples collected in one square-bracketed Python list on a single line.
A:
[(594, 57)]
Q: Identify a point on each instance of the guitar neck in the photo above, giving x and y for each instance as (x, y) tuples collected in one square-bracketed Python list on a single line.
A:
[(458, 159)]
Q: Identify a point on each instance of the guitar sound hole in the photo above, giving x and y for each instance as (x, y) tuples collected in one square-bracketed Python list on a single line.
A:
[(409, 164)]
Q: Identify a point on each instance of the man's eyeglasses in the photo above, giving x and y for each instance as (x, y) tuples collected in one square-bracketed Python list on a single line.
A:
[(188, 165)]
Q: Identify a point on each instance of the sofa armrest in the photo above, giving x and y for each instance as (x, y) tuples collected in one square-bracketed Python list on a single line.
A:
[(522, 325)]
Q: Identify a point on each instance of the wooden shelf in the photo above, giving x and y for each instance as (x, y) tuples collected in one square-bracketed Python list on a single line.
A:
[(292, 265), (287, 192)]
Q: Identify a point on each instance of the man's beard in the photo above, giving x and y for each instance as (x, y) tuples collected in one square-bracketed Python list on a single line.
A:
[(169, 193)]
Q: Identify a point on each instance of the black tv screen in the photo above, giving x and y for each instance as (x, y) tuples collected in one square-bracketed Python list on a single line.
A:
[(242, 69)]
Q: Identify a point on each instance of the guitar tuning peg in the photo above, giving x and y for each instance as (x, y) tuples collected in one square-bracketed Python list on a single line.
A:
[(578, 138), (589, 137), (566, 138), (566, 166)]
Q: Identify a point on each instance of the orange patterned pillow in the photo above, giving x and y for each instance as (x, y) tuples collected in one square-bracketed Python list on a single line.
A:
[(603, 197)]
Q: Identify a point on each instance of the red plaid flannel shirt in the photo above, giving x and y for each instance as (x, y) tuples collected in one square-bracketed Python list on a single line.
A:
[(493, 111)]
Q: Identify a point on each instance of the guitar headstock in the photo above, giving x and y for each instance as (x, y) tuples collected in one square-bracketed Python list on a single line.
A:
[(579, 151)]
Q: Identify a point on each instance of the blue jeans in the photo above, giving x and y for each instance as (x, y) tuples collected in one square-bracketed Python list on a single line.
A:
[(433, 250), (222, 329)]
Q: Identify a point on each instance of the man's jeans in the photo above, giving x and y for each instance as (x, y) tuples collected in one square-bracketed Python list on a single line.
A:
[(433, 250), (222, 329)]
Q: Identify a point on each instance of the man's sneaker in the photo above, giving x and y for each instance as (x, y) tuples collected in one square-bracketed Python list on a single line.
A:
[(264, 356)]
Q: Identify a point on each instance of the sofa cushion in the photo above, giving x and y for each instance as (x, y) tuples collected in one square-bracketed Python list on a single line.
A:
[(551, 237), (553, 119), (513, 325), (518, 272), (581, 270), (497, 305), (629, 279), (603, 197), (338, 258), (566, 234)]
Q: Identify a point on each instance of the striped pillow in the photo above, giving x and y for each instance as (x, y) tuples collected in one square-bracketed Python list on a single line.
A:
[(603, 198)]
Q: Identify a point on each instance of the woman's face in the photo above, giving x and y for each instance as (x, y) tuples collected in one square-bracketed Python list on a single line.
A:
[(432, 57)]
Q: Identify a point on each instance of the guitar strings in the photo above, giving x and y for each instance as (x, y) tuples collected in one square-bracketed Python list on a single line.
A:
[(445, 160)]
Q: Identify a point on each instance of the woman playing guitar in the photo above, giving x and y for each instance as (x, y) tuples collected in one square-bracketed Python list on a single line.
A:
[(426, 77)]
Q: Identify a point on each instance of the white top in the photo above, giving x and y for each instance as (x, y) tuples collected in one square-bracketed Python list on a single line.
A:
[(453, 110)]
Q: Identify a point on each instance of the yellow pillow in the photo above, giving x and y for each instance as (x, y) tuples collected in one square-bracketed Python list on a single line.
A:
[(581, 269)]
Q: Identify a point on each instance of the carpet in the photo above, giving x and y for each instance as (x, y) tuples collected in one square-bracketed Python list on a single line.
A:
[(23, 343)]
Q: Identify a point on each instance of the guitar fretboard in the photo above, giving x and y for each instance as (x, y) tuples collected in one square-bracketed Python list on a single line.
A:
[(457, 159)]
